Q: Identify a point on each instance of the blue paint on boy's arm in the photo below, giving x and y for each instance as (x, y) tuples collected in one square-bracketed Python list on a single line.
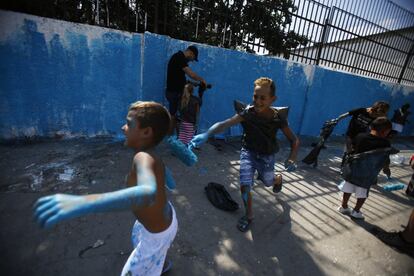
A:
[(53, 209), (181, 151)]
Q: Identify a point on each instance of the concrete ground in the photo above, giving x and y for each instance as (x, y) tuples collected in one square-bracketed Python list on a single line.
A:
[(296, 232)]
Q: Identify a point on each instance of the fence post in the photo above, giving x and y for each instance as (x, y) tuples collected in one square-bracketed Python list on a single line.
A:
[(407, 59), (324, 35)]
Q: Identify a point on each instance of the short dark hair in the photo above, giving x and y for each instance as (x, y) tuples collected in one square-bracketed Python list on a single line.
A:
[(381, 124), (381, 106), (154, 115), (193, 49)]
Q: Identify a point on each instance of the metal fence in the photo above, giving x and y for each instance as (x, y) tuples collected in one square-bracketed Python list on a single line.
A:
[(373, 38), (345, 41)]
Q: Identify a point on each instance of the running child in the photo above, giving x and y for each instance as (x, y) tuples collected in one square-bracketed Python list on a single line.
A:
[(156, 224), (189, 110), (260, 122), (364, 142)]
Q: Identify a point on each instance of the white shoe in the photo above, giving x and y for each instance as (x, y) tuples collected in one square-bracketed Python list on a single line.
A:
[(357, 215), (343, 210)]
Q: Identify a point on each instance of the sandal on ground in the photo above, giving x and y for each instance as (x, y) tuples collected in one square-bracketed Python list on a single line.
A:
[(277, 187), (244, 223)]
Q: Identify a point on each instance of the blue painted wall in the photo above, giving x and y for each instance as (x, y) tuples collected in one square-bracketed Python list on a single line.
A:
[(61, 78), (73, 79)]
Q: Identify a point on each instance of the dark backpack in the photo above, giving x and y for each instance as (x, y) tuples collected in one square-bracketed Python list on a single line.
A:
[(362, 169), (220, 198)]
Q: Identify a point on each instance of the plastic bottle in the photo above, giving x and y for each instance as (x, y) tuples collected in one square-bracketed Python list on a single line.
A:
[(393, 187), (397, 159)]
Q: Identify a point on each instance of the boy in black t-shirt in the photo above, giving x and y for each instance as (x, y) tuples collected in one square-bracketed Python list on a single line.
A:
[(260, 123), (361, 119), (364, 142)]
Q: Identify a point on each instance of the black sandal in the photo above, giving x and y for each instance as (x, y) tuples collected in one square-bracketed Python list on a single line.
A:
[(244, 223)]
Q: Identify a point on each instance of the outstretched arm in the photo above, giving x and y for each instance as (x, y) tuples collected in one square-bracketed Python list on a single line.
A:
[(187, 70), (216, 128), (342, 116), (50, 210), (294, 148)]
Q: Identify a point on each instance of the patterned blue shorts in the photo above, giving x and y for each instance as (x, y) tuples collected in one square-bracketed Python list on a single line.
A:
[(251, 161)]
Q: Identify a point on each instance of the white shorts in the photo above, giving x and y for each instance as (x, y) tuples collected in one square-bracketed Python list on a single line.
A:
[(150, 249), (350, 188)]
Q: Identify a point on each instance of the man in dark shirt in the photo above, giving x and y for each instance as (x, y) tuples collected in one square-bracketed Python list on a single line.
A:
[(177, 70)]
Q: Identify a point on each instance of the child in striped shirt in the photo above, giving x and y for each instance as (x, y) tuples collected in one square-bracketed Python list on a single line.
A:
[(189, 110)]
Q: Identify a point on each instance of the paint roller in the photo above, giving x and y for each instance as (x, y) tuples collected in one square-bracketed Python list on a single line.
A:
[(181, 151)]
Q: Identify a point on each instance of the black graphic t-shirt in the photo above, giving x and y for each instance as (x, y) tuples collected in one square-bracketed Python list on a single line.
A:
[(366, 142), (259, 134), (359, 123), (175, 74)]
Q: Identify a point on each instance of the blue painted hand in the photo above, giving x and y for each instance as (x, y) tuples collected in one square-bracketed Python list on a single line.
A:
[(290, 165), (198, 140), (50, 210)]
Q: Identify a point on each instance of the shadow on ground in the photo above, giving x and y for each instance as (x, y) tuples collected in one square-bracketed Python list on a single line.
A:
[(295, 232)]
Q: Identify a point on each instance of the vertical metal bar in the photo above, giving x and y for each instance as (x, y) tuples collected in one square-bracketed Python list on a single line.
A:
[(340, 43), (224, 32), (334, 48), (230, 38), (324, 33), (407, 59), (356, 45), (318, 45), (353, 7), (402, 15), (330, 37), (384, 53), (376, 12), (348, 26), (377, 63), (198, 16), (136, 15), (304, 23), (393, 12), (344, 42), (365, 45), (294, 26), (312, 39), (97, 12)]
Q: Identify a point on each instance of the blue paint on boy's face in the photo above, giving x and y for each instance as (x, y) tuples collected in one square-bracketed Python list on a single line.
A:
[(131, 131)]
